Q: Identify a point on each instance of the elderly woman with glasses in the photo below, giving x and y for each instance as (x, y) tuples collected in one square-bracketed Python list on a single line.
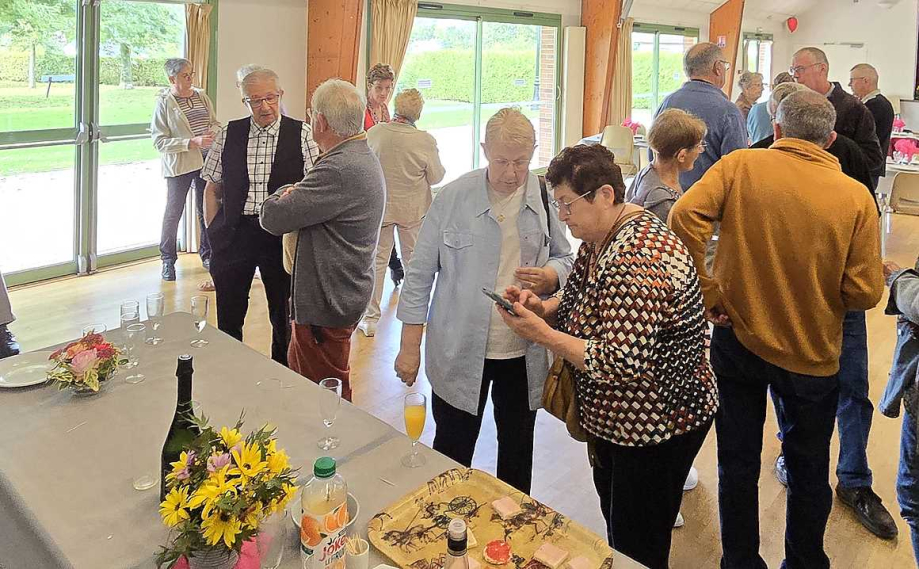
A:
[(490, 229), (183, 128), (629, 324), (676, 139), (751, 89)]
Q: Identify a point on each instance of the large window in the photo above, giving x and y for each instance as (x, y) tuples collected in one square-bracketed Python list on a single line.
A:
[(757, 57), (469, 63), (80, 182), (657, 65)]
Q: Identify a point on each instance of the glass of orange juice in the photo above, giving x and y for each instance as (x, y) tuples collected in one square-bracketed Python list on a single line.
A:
[(416, 410)]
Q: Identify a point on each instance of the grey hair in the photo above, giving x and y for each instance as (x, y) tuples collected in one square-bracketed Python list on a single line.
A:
[(246, 70), (818, 54), (781, 92), (747, 78), (175, 65), (869, 71), (261, 74), (342, 106), (806, 115), (700, 59), (510, 126), (409, 104)]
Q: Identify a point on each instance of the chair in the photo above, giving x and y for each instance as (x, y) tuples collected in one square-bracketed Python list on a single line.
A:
[(904, 196), (620, 142)]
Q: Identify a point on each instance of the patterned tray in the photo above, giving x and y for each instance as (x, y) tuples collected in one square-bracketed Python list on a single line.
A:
[(412, 532)]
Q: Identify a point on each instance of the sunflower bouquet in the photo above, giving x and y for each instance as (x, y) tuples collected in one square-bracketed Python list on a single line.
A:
[(221, 489), (86, 363)]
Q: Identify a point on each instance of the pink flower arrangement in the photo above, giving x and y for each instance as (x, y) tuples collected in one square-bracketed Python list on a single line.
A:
[(907, 147), (632, 125), (85, 363), (898, 124)]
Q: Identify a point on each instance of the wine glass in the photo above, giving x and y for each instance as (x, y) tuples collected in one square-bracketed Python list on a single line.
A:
[(415, 408), (329, 404), (93, 329), (156, 305), (134, 336), (199, 312)]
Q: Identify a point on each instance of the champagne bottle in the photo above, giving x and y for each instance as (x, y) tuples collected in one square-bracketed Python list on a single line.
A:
[(456, 545), (183, 429)]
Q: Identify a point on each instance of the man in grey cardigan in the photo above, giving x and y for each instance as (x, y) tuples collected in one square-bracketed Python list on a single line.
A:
[(336, 211)]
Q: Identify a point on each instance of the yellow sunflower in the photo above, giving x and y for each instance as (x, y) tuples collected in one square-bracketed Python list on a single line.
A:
[(278, 461), (212, 490), (174, 508), (221, 527), (249, 461), (230, 437), (252, 515)]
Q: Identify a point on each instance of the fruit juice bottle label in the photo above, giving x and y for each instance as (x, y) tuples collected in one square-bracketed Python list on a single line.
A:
[(322, 536)]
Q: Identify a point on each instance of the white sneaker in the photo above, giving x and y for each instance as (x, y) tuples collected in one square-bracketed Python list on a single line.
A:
[(680, 522), (368, 328), (692, 479)]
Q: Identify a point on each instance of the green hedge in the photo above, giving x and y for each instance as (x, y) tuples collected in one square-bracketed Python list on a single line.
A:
[(14, 67), (670, 76), (452, 75)]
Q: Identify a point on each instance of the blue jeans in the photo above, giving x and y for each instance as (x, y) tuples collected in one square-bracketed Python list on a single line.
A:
[(855, 410), (807, 411), (908, 478)]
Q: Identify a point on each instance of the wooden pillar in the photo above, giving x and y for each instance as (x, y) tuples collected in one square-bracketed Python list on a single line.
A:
[(601, 18), (724, 30), (333, 41)]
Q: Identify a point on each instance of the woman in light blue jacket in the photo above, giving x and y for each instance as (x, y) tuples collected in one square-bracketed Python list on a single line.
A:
[(183, 129), (491, 228)]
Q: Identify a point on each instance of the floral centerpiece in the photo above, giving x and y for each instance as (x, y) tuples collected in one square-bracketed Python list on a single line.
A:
[(83, 365), (221, 490), (634, 126)]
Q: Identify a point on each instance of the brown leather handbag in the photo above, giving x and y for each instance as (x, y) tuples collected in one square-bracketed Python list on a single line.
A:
[(560, 399)]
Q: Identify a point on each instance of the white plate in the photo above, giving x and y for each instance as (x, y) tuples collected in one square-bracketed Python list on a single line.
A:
[(25, 369), (296, 511)]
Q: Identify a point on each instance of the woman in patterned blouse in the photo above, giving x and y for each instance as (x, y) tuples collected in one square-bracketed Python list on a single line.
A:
[(629, 324)]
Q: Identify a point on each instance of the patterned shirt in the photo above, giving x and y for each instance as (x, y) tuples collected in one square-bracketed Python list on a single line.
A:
[(197, 114), (263, 142), (640, 310)]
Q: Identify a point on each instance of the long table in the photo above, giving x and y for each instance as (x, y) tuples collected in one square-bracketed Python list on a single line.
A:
[(67, 463)]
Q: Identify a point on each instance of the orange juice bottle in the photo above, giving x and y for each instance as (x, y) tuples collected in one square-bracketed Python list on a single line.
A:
[(325, 514)]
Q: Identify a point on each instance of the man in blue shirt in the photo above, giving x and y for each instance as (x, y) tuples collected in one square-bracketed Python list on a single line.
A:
[(707, 70)]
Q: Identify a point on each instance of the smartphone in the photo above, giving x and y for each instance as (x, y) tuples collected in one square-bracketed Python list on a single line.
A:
[(503, 302)]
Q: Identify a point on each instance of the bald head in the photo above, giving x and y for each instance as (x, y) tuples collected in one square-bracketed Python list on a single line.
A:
[(863, 79), (810, 67), (706, 61), (806, 115)]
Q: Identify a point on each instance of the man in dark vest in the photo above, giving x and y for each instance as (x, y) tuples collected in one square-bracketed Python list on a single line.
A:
[(863, 80), (252, 158)]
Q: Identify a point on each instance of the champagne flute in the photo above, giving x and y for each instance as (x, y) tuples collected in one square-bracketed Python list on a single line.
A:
[(415, 408), (199, 312), (135, 335), (329, 404), (127, 320), (156, 305)]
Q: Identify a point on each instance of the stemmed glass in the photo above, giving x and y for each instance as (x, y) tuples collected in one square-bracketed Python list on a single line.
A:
[(329, 404), (156, 305), (271, 540), (199, 312), (415, 408), (134, 335)]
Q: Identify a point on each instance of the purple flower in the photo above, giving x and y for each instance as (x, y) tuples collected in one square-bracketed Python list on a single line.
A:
[(217, 461), (190, 458), (184, 474)]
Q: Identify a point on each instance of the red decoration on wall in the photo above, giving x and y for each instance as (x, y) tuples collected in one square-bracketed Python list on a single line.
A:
[(792, 24)]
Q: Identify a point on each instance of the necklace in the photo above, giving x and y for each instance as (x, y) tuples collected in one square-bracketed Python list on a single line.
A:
[(502, 205)]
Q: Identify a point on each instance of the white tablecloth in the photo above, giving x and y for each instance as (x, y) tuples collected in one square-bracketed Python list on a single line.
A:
[(66, 463)]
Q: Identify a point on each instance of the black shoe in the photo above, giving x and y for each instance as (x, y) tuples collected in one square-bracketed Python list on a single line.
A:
[(397, 275), (780, 471), (169, 272), (869, 510), (8, 345)]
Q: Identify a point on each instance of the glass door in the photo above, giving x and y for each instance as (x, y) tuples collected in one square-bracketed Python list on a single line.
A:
[(39, 168), (657, 65), (136, 38), (757, 57)]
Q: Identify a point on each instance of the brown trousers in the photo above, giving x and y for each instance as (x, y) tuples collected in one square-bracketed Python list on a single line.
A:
[(317, 353)]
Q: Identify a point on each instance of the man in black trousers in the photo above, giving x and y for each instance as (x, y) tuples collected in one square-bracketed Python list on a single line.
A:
[(863, 80), (251, 158), (8, 345)]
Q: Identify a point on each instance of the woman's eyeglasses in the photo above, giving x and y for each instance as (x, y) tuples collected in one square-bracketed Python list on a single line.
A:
[(566, 206)]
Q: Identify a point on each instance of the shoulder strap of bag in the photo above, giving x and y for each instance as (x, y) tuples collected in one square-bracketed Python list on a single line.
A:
[(544, 193)]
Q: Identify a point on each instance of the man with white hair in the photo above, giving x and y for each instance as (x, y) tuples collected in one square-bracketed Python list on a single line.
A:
[(863, 80), (411, 165), (251, 159), (335, 213), (778, 305), (708, 71)]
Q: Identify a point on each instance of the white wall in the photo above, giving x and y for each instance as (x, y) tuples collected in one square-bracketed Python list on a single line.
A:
[(889, 36), (267, 32)]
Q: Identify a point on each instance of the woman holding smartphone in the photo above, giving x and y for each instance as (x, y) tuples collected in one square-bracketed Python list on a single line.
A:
[(491, 228)]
